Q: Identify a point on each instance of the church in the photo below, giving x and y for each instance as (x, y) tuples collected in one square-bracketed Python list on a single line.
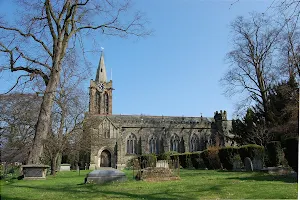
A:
[(116, 138)]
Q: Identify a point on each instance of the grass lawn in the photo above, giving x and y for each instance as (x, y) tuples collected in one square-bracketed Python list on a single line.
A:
[(194, 184)]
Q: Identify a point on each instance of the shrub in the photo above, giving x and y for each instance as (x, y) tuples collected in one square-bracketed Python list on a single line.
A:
[(196, 160), (211, 158), (185, 160), (129, 163), (274, 153), (148, 160), (251, 151), (291, 152), (166, 155), (237, 162), (204, 156), (226, 155)]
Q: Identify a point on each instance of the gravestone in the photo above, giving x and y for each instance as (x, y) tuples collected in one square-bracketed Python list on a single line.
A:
[(248, 164), (64, 167), (237, 165), (34, 172), (162, 163), (105, 175), (257, 163)]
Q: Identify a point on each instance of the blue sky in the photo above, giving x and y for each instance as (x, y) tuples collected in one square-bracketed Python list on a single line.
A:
[(175, 71)]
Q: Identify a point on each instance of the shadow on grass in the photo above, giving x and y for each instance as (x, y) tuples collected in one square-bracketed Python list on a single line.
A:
[(93, 191), (3, 197), (268, 177)]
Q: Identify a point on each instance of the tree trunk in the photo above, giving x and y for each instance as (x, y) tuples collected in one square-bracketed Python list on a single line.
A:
[(58, 160), (43, 123), (53, 164)]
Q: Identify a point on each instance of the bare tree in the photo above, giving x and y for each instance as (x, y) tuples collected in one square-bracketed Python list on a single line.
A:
[(18, 116), (289, 54), (70, 103), (44, 33), (251, 70)]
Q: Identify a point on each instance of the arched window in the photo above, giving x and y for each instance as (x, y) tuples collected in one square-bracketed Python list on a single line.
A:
[(106, 101), (131, 144), (106, 127), (202, 143), (152, 144), (174, 143), (194, 143), (97, 102)]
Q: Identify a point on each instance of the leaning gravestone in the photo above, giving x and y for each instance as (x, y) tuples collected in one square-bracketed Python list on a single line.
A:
[(248, 164), (105, 175), (257, 163)]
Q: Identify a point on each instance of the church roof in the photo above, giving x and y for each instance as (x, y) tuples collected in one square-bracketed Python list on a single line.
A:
[(101, 71)]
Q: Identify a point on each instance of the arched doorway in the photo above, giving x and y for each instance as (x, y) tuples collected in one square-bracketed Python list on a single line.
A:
[(105, 159)]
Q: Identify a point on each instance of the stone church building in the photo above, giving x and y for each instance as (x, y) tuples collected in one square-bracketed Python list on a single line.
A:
[(117, 138)]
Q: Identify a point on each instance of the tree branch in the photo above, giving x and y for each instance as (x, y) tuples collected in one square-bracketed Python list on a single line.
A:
[(28, 35)]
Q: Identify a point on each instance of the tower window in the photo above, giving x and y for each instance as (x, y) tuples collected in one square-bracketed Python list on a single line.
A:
[(97, 103), (106, 103), (101, 70), (131, 144)]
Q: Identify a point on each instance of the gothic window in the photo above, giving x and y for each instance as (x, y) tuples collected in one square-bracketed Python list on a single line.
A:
[(174, 143), (152, 144), (194, 143), (157, 145), (105, 129), (131, 144), (106, 101), (202, 143)]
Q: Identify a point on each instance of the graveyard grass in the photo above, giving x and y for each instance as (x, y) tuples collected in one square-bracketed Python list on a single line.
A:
[(194, 184)]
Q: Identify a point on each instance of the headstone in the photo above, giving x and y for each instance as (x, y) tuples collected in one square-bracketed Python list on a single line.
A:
[(105, 175), (64, 167), (257, 163), (237, 165), (248, 164), (33, 172), (162, 163)]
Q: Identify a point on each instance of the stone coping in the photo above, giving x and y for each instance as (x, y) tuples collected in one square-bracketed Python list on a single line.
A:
[(65, 164)]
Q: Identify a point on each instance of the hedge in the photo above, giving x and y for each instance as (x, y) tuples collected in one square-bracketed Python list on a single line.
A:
[(274, 153), (291, 152), (196, 160), (226, 156), (166, 155), (211, 158), (251, 151), (214, 158), (186, 160)]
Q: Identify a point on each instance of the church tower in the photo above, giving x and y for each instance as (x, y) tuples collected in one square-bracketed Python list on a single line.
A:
[(101, 91)]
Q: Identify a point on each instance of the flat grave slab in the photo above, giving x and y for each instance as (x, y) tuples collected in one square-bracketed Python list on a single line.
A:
[(105, 175), (34, 172)]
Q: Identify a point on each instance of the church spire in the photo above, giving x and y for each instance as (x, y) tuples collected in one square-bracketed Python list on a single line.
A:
[(101, 71)]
